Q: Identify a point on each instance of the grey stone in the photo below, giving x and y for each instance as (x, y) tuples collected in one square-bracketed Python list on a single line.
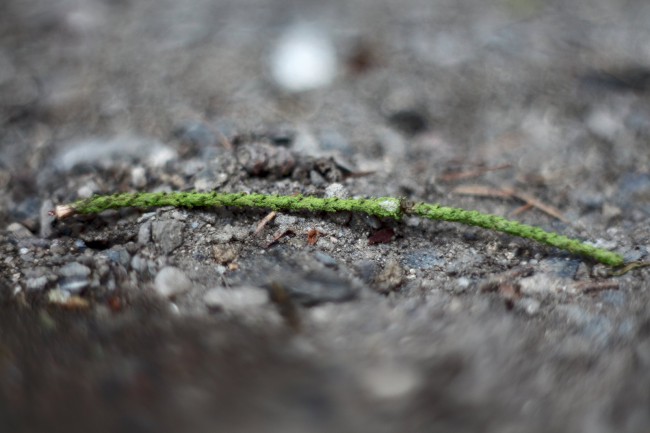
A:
[(224, 234), (80, 245), (423, 259), (19, 231), (285, 220), (118, 254), (167, 234), (74, 269), (316, 287), (74, 277), (144, 234), (171, 282)]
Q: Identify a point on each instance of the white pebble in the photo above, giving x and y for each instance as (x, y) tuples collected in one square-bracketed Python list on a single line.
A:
[(171, 281), (336, 190)]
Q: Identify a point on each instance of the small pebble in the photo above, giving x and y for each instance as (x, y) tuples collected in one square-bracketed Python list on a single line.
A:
[(144, 234), (74, 277), (167, 234), (19, 231), (138, 177), (171, 282), (74, 269), (423, 259), (285, 220), (80, 245), (336, 190), (118, 254)]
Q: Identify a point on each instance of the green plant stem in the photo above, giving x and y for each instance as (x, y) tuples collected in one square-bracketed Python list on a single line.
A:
[(383, 207)]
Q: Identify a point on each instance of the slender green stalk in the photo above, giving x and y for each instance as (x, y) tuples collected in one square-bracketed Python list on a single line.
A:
[(383, 207)]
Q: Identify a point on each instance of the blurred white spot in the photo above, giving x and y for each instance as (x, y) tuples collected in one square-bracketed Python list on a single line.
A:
[(303, 59), (390, 381)]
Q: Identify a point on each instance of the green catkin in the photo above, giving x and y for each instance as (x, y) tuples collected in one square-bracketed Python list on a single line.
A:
[(383, 207)]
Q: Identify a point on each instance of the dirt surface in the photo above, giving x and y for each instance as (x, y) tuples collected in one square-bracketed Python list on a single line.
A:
[(199, 320)]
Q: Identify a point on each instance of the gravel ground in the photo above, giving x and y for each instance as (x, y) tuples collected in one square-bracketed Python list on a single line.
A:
[(176, 320)]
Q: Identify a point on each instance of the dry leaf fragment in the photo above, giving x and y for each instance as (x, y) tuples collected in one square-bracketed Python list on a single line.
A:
[(278, 236), (312, 236), (268, 218), (485, 191), (382, 236)]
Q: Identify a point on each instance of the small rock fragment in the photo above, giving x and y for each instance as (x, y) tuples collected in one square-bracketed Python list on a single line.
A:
[(138, 177), (168, 234), (118, 254), (224, 254), (171, 282), (336, 190), (423, 259), (19, 231), (144, 234), (74, 277)]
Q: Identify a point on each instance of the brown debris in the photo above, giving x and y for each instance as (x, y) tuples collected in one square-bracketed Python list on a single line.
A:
[(279, 236), (485, 191), (468, 174), (267, 219), (225, 254), (312, 236), (494, 283), (595, 286), (382, 236)]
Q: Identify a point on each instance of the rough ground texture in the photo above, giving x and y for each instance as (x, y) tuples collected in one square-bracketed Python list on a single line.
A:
[(176, 320)]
